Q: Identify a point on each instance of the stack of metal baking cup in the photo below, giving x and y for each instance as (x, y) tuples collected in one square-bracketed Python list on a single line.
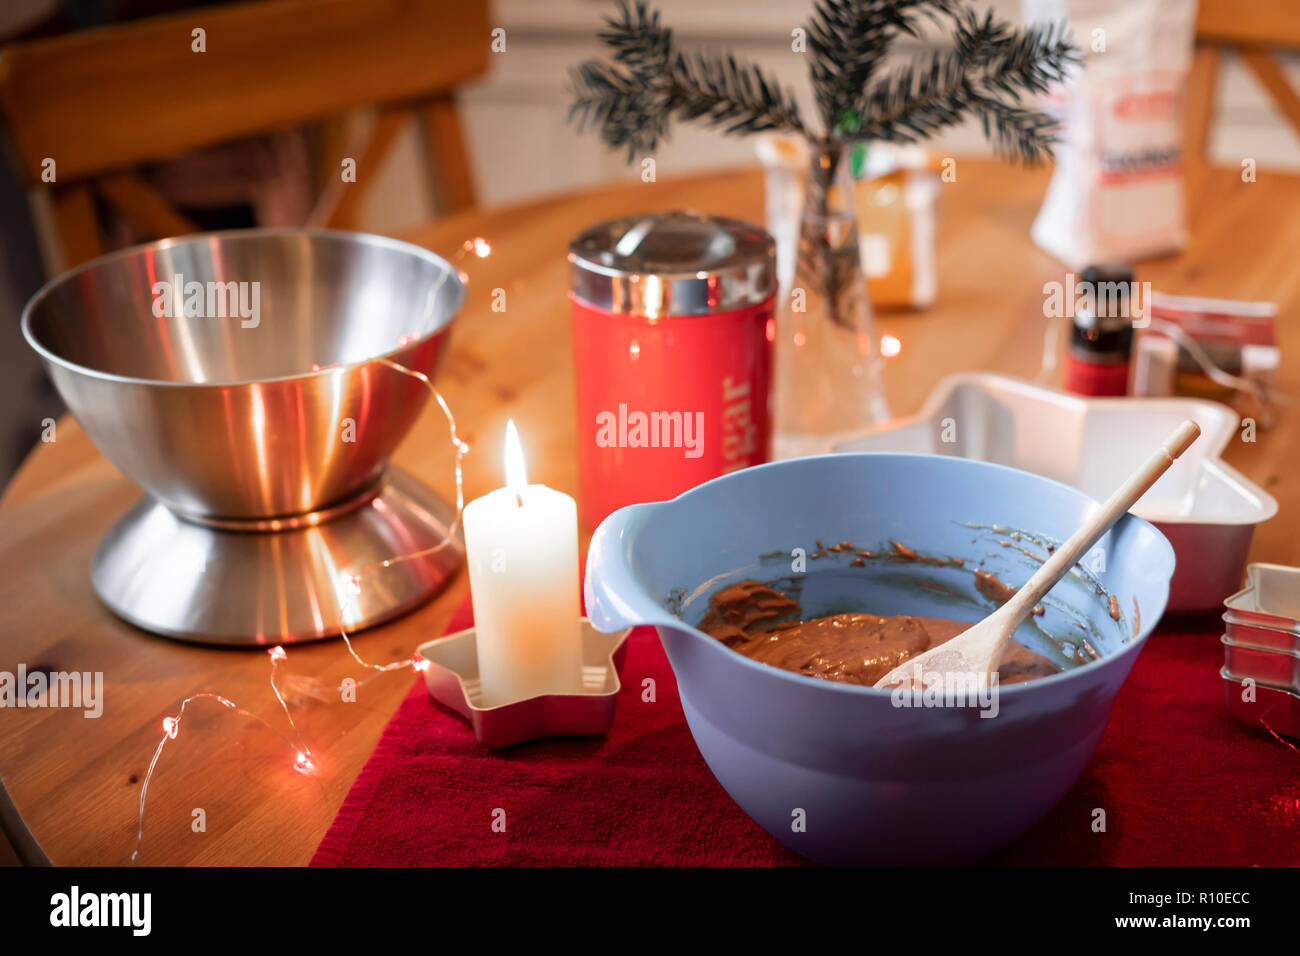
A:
[(1261, 649)]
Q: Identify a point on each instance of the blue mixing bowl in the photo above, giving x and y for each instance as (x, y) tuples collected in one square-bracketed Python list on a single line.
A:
[(839, 772)]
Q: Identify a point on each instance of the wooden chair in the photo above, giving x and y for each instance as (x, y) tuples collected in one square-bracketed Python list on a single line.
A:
[(1254, 29), (100, 102)]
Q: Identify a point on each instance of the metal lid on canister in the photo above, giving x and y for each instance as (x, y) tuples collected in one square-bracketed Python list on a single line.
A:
[(672, 263)]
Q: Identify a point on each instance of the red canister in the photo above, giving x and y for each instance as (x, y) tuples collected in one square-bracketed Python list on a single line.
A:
[(672, 342)]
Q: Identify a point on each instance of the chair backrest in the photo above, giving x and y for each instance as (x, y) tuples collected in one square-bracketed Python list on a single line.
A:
[(1259, 23), (85, 108), (1255, 29)]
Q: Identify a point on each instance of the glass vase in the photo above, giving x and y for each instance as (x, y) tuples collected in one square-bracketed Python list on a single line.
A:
[(828, 368)]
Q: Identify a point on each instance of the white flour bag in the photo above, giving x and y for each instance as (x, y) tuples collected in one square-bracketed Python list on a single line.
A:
[(1117, 190)]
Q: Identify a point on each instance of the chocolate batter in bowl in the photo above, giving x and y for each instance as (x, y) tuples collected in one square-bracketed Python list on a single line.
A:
[(764, 624), (876, 779)]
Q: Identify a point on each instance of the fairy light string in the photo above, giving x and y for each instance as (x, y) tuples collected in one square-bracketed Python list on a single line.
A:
[(1280, 739), (171, 730), (349, 585), (347, 591)]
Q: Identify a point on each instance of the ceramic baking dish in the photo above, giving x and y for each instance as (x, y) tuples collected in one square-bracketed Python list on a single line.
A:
[(1206, 509)]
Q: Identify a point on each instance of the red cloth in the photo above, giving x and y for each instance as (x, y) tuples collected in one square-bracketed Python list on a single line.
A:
[(1180, 781)]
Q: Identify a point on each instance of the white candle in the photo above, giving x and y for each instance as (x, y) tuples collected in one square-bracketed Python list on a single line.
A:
[(521, 543)]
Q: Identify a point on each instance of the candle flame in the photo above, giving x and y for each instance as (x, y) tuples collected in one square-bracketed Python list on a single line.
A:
[(516, 473)]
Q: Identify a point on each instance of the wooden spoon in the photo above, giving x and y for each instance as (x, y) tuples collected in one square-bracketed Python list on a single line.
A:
[(977, 651)]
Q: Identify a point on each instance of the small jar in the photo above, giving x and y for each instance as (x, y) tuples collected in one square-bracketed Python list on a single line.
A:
[(1101, 337)]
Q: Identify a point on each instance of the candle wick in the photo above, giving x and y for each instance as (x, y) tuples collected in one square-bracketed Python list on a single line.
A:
[(519, 500)]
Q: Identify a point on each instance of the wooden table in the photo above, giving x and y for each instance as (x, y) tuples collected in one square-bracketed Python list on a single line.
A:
[(72, 784)]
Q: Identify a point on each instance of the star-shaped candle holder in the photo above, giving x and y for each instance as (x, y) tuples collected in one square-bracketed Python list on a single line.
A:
[(453, 680)]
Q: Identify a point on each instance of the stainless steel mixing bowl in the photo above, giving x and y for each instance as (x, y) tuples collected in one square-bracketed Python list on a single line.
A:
[(224, 417), (253, 401)]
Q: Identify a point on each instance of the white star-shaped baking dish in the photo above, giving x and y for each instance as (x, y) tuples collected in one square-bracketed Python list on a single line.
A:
[(1206, 508)]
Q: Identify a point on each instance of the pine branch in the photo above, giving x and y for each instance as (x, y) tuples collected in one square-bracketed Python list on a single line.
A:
[(1016, 132), (990, 69), (638, 39), (633, 102), (728, 92), (850, 38), (916, 101), (1016, 62), (619, 105)]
